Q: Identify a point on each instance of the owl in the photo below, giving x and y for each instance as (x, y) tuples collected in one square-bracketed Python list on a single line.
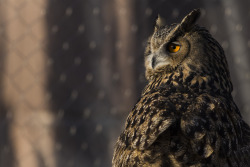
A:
[(186, 115)]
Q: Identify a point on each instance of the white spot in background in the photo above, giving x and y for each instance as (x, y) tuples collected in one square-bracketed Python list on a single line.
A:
[(86, 113), (248, 43), (107, 28), (175, 13), (97, 162), (247, 76), (96, 11), (6, 149), (65, 46), (142, 78), (77, 60), (9, 115), (113, 110), (81, 28), (60, 114), (118, 45), (116, 76), (98, 128), (228, 11), (148, 12), (43, 12), (234, 93), (74, 94), (130, 60), (58, 146), (49, 62), (246, 108), (54, 29), (72, 130), (238, 27), (48, 96), (105, 61), (122, 11), (69, 11), (70, 163), (134, 28), (225, 45), (2, 30), (101, 94), (213, 29), (84, 146), (62, 77), (144, 43), (127, 92), (237, 60), (89, 77), (92, 45), (203, 12)]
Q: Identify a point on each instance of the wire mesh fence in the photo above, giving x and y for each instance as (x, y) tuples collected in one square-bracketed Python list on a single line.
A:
[(72, 70)]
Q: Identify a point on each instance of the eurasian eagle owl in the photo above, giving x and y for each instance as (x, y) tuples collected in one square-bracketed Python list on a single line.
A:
[(186, 115)]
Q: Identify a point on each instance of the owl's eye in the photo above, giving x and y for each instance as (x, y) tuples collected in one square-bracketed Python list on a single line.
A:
[(173, 47)]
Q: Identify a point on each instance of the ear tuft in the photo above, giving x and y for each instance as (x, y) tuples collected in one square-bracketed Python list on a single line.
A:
[(160, 22), (189, 21)]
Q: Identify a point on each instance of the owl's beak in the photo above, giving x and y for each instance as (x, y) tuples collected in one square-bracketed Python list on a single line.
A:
[(153, 62), (158, 60)]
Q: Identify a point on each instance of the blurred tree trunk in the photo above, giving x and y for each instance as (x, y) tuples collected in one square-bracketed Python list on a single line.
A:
[(126, 45), (6, 149), (24, 84)]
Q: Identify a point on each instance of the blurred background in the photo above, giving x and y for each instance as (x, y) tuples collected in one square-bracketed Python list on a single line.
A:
[(71, 70)]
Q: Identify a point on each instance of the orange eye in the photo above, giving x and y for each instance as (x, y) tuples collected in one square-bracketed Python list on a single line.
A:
[(173, 47)]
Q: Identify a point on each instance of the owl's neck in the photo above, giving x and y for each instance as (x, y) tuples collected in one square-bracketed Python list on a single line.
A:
[(188, 80)]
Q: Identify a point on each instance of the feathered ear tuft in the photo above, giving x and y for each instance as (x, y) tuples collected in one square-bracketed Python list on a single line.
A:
[(160, 22), (189, 21)]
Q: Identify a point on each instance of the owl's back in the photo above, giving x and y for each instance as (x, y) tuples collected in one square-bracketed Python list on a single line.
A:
[(179, 127)]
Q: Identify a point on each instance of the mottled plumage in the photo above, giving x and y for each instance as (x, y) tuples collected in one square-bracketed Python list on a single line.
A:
[(186, 115)]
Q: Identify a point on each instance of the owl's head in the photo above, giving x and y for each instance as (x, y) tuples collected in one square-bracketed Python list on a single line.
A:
[(189, 54)]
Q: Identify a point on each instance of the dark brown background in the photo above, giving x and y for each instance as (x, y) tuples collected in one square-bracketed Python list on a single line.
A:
[(71, 70)]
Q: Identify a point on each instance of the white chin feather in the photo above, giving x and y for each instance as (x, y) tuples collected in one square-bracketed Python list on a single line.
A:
[(161, 64)]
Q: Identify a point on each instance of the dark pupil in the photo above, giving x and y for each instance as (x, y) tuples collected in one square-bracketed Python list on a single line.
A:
[(173, 47)]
